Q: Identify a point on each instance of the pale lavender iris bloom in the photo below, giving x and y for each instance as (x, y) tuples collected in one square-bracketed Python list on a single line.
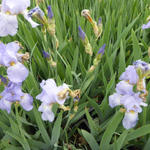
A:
[(49, 96), (12, 92), (146, 26), (17, 73), (8, 16), (125, 96), (50, 92), (132, 104), (46, 96), (130, 75)]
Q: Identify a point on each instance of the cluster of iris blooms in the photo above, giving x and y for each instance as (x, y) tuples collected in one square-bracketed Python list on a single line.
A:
[(131, 92), (13, 60)]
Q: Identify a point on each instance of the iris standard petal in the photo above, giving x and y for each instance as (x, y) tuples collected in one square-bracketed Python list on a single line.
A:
[(130, 75), (124, 87)]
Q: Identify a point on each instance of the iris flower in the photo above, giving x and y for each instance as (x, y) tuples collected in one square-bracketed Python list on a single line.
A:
[(8, 16), (125, 95), (13, 93), (16, 71), (51, 93)]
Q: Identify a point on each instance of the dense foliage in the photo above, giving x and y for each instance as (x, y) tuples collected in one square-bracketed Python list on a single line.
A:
[(95, 125)]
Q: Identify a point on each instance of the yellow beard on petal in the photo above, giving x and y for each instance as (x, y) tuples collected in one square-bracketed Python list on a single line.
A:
[(12, 63), (131, 111), (7, 13)]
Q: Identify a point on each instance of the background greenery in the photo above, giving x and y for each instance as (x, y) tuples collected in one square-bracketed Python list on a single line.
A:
[(95, 126)]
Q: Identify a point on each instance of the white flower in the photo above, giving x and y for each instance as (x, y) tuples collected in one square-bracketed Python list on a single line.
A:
[(130, 119)]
